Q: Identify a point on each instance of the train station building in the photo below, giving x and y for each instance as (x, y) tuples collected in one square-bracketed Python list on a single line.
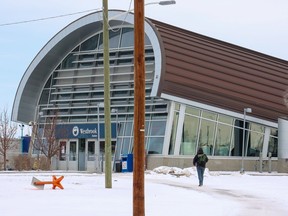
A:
[(200, 92)]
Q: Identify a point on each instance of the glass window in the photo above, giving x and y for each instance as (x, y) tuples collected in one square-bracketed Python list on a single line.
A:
[(206, 136), (236, 148), (223, 140), (120, 128), (273, 143), (91, 150), (177, 106), (62, 151), (225, 119), (72, 152), (114, 36), (128, 129), (157, 128), (147, 40), (192, 111), (189, 135), (155, 145), (147, 125), (125, 146), (127, 39), (100, 41), (68, 62), (90, 44), (209, 115), (256, 140)]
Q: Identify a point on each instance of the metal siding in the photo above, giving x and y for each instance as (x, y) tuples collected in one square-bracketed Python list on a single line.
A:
[(220, 74)]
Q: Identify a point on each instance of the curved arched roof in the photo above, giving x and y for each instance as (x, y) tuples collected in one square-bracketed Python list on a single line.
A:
[(36, 75)]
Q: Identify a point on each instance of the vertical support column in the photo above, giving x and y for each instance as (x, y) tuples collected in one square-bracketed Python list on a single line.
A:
[(282, 145)]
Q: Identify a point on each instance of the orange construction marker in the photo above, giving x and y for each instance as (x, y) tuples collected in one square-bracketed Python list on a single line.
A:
[(55, 182)]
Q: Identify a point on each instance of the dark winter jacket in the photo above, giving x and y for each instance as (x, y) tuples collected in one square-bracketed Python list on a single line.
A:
[(200, 159)]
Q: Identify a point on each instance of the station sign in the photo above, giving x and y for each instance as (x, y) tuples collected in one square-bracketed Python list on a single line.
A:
[(86, 131)]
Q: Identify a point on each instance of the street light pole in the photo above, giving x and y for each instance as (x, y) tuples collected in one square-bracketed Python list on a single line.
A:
[(246, 110)]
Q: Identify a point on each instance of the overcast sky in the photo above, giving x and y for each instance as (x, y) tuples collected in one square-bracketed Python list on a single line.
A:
[(260, 25)]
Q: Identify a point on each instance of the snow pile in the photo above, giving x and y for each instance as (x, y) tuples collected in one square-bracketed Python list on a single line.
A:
[(178, 171)]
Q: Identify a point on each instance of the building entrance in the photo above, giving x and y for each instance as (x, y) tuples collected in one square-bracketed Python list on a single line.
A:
[(81, 155)]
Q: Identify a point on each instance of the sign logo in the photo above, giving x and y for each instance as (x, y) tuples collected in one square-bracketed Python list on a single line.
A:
[(75, 131)]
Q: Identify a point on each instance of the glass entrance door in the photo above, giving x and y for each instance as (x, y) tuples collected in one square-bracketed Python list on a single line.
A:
[(81, 155)]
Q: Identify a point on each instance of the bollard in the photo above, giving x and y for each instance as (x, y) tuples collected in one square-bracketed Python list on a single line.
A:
[(269, 162)]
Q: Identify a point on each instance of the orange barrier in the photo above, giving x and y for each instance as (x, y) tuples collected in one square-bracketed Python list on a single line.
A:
[(56, 182)]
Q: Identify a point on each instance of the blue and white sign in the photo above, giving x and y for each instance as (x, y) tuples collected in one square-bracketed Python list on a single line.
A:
[(77, 131), (86, 131)]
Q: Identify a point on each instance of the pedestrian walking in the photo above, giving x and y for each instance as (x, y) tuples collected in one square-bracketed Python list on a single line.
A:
[(200, 161)]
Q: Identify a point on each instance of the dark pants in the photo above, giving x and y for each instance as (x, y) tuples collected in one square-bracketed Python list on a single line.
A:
[(200, 172)]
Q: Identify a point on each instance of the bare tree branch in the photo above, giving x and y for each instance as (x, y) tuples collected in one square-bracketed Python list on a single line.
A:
[(7, 135), (46, 139)]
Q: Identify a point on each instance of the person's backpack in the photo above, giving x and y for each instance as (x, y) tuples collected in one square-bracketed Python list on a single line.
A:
[(202, 159)]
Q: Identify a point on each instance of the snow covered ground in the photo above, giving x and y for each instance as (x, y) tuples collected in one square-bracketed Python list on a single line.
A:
[(223, 193)]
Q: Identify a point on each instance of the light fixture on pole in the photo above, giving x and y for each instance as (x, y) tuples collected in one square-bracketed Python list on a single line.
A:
[(246, 110), (21, 127), (163, 3), (139, 107)]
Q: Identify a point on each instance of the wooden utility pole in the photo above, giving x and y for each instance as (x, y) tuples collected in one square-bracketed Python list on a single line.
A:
[(139, 110), (108, 168)]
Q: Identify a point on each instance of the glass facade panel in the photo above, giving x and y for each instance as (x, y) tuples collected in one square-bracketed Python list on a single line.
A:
[(223, 140), (158, 128), (91, 150), (209, 115), (225, 119), (256, 140), (273, 147), (125, 146), (69, 62), (114, 37), (219, 135), (273, 143), (192, 111), (90, 44), (155, 145), (189, 135), (128, 129), (127, 39), (206, 136), (236, 148)]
